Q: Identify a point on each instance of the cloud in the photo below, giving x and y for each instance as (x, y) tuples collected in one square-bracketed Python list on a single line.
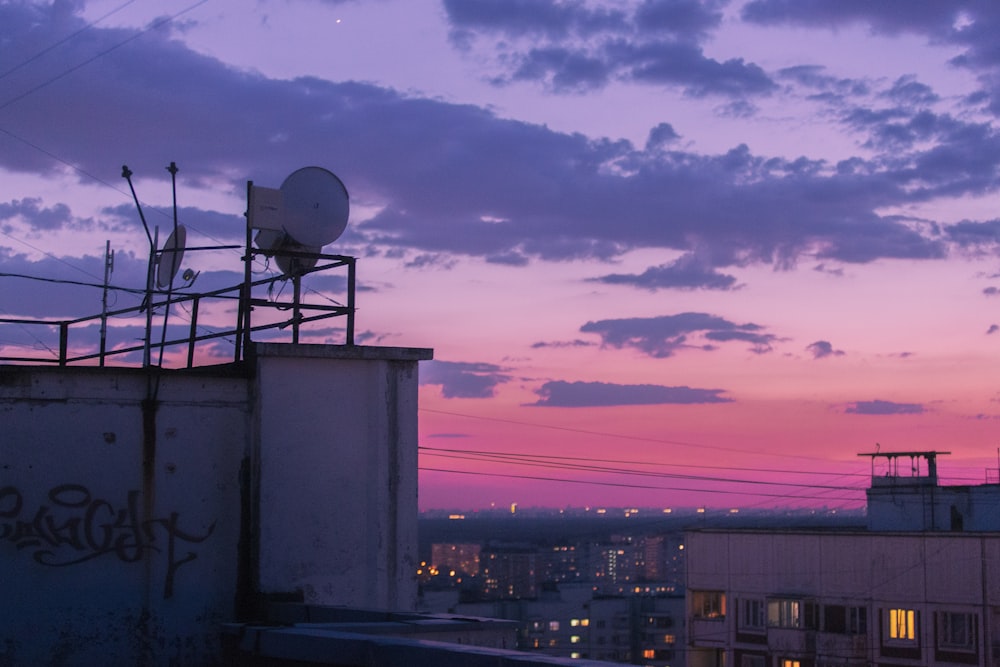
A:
[(734, 208), (993, 329), (878, 407), (972, 26), (596, 394), (463, 379), (665, 335), (37, 216), (571, 46), (687, 272), (821, 349), (562, 344)]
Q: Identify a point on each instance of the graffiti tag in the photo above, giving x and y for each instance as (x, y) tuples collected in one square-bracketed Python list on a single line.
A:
[(77, 527)]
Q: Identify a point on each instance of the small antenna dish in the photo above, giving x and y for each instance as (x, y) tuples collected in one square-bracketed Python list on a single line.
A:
[(169, 260), (315, 207)]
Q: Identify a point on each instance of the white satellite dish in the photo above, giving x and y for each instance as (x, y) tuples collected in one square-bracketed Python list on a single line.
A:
[(169, 261), (315, 206), (277, 243)]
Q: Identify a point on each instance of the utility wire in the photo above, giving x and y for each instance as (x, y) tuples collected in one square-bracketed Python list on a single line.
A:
[(514, 460), (101, 54), (619, 484), (62, 41), (640, 463)]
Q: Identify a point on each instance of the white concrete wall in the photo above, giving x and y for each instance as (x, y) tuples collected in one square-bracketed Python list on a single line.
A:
[(338, 482)]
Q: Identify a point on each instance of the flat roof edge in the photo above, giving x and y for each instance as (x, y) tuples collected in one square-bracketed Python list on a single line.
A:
[(363, 352)]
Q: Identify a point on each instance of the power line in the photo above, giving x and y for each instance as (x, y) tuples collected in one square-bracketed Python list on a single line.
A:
[(619, 484), (62, 41), (641, 463), (638, 438), (101, 54), (514, 460)]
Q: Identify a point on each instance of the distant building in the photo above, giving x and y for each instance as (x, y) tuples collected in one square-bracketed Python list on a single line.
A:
[(571, 621), (920, 585), (509, 571)]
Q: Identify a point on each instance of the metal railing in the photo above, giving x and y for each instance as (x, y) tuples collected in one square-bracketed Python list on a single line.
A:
[(69, 350)]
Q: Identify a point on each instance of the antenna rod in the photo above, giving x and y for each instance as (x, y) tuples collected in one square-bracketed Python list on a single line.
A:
[(127, 175), (148, 302), (173, 257), (109, 267)]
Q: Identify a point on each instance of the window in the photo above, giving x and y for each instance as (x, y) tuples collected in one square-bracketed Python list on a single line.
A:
[(784, 614), (649, 653), (751, 660), (902, 625), (857, 620), (957, 631), (752, 615), (708, 604), (575, 639), (845, 620), (553, 626), (669, 639), (787, 662)]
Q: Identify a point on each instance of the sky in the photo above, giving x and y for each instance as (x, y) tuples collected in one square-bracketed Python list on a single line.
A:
[(668, 253)]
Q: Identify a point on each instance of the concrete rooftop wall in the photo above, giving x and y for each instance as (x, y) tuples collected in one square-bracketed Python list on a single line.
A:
[(140, 510)]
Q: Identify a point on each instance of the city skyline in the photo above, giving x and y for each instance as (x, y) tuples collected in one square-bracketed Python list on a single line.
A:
[(668, 253)]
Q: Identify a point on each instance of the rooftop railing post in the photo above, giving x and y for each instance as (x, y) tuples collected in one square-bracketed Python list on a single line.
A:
[(350, 300), (63, 342), (296, 307), (195, 302)]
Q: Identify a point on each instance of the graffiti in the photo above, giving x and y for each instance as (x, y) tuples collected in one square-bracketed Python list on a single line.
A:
[(77, 527)]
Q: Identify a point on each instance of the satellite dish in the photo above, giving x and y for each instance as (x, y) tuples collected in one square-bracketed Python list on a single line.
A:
[(169, 261), (315, 206), (276, 243)]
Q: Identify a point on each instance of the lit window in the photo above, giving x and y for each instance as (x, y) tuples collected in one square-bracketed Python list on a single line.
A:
[(575, 639), (575, 655), (957, 631), (902, 624), (649, 653), (574, 622), (585, 622), (669, 639), (708, 604), (790, 663), (554, 626), (784, 613)]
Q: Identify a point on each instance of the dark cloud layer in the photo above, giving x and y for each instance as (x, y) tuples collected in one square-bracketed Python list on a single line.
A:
[(879, 407), (822, 349), (148, 99), (561, 394), (570, 46), (459, 379), (664, 336)]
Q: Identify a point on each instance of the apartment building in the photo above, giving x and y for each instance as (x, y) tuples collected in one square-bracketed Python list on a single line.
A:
[(919, 585)]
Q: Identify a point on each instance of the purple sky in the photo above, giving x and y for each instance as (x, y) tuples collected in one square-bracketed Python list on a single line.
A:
[(756, 237)]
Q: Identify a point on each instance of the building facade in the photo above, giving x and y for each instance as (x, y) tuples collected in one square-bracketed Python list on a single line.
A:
[(909, 590)]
